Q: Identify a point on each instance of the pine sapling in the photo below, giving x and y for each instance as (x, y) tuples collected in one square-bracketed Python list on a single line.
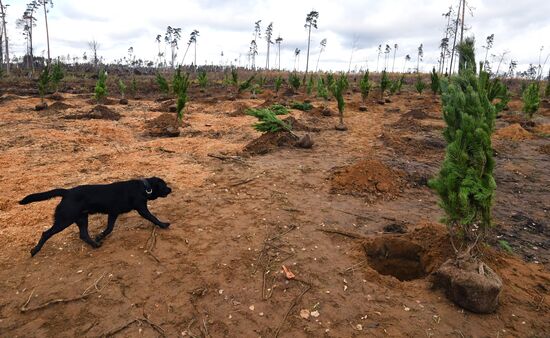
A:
[(163, 84), (294, 81), (202, 78), (434, 85), (278, 84), (531, 99), (384, 84), (43, 84), (365, 86), (268, 122), (101, 86), (338, 89), (419, 85), (57, 75), (122, 88), (180, 85), (310, 84)]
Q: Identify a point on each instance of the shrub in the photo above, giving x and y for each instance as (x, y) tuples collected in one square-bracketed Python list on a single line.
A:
[(419, 85), (294, 81), (101, 86), (531, 99), (384, 83), (434, 85), (268, 121), (163, 84), (365, 86)]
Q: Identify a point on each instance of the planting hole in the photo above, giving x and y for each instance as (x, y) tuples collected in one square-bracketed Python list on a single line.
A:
[(396, 257)]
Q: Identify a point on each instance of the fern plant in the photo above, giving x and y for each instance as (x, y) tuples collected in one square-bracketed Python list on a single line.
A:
[(531, 99)]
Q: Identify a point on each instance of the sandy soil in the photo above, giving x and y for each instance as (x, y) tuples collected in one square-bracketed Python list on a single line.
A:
[(237, 219)]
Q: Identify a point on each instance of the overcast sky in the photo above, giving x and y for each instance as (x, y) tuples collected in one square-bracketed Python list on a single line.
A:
[(520, 27)]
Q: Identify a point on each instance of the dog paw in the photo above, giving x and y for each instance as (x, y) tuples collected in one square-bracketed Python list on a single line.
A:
[(33, 252), (96, 244), (164, 225), (98, 238)]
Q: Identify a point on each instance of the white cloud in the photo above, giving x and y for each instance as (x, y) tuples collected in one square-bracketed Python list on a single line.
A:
[(519, 27)]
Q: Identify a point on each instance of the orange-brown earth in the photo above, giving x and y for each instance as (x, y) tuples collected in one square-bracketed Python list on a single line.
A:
[(236, 219)]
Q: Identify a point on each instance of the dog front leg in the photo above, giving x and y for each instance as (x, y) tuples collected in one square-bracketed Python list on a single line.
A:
[(84, 235), (145, 213)]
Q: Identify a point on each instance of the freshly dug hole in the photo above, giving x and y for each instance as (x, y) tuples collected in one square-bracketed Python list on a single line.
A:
[(397, 257)]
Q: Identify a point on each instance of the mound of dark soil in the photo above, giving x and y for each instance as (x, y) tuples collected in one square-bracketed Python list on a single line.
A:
[(165, 125), (427, 146), (269, 142), (369, 178), (59, 106), (56, 97), (416, 114), (99, 112), (167, 106)]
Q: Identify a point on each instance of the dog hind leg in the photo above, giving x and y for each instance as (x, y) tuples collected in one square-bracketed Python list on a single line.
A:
[(58, 226), (110, 225), (82, 223)]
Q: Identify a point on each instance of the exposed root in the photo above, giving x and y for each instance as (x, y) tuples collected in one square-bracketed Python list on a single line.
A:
[(140, 322), (343, 233), (295, 302)]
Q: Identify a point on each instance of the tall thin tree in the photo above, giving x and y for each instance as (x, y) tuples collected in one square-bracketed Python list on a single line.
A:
[(43, 3), (296, 58), (278, 41), (27, 22), (386, 56), (6, 42), (268, 35), (407, 59), (394, 52), (94, 46), (488, 45), (322, 46), (378, 58), (311, 21), (455, 33), (419, 58), (254, 46)]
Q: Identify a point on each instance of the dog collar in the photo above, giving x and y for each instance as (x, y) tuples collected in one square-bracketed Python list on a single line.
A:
[(148, 188)]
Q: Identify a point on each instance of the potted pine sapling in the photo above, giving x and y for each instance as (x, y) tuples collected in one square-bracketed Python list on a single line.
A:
[(122, 90), (419, 85), (466, 189), (202, 78), (434, 84), (338, 89), (100, 92), (531, 99), (365, 87), (43, 85)]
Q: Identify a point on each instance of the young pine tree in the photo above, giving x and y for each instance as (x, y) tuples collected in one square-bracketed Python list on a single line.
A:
[(434, 85), (531, 99), (384, 84), (101, 86), (465, 182), (419, 85), (338, 89), (365, 86)]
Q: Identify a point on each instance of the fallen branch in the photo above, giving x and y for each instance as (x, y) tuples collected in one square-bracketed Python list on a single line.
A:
[(292, 306), (140, 321), (248, 180), (84, 295), (237, 159), (351, 268), (151, 242), (343, 233)]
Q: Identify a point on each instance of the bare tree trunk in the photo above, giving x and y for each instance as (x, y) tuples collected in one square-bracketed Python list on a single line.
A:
[(307, 57), (393, 64), (279, 52), (31, 51), (454, 39), (47, 33), (7, 51), (185, 54), (318, 58), (463, 19), (267, 58), (195, 62)]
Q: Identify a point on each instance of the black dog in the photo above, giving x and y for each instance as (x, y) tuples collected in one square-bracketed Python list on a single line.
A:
[(111, 199)]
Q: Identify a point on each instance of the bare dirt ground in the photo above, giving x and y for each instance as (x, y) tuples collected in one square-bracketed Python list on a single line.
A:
[(217, 271)]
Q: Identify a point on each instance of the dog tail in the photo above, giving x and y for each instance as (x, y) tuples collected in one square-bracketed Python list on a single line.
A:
[(42, 196)]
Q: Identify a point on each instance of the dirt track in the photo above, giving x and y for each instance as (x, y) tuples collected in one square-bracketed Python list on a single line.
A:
[(217, 270)]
